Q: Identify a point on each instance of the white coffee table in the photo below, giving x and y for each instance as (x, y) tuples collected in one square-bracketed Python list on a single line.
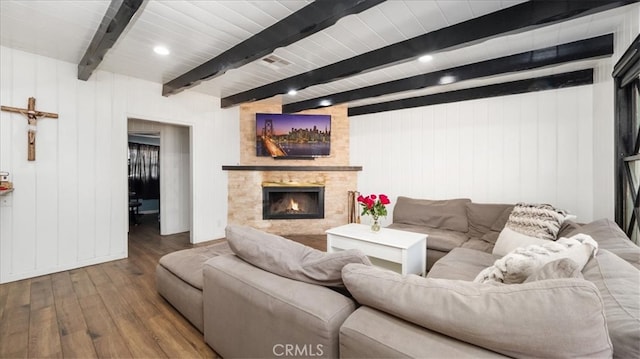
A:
[(401, 251)]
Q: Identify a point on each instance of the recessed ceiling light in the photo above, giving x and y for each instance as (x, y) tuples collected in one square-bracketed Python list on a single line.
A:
[(325, 103), (447, 79), (161, 50), (292, 92), (425, 58)]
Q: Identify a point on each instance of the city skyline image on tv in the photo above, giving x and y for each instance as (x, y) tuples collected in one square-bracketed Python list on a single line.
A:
[(293, 135)]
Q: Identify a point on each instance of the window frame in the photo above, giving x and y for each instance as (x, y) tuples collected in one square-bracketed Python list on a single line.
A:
[(626, 74)]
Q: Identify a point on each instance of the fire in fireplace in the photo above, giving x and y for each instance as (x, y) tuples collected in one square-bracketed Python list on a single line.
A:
[(297, 202)]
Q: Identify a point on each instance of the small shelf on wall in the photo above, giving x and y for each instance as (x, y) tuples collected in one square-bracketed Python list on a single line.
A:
[(293, 168), (5, 191)]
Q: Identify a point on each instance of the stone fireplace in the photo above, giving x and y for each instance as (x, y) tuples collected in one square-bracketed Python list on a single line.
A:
[(292, 202), (247, 178)]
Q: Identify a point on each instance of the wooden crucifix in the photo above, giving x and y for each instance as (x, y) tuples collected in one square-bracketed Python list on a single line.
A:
[(32, 118)]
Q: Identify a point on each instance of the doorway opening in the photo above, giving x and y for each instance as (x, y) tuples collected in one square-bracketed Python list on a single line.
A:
[(164, 161)]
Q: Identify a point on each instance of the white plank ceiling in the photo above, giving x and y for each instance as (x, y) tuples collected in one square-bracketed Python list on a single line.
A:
[(198, 30)]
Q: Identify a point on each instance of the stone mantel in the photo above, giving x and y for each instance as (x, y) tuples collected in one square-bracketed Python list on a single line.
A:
[(293, 168)]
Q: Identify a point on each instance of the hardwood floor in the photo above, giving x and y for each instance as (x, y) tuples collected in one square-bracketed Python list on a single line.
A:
[(106, 310)]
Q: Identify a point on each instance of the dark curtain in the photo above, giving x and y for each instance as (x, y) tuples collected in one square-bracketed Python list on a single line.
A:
[(144, 170)]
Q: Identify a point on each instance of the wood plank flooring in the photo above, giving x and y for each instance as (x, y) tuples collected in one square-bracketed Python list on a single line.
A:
[(110, 310)]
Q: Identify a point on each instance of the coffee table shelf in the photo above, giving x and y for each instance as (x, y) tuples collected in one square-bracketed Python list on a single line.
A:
[(401, 251)]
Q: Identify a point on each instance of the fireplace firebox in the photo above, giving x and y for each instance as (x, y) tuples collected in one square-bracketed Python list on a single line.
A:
[(297, 202)]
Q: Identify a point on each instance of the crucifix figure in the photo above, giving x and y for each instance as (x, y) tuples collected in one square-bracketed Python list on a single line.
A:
[(32, 118)]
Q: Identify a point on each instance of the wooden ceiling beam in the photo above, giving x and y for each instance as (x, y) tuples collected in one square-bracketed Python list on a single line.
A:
[(567, 79), (312, 18), (113, 24), (516, 19), (579, 50)]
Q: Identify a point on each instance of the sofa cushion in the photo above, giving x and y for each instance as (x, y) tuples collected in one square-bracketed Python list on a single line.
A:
[(485, 218), (187, 263), (478, 245), (444, 214), (462, 264), (290, 259), (439, 239), (610, 237), (619, 284), (550, 318)]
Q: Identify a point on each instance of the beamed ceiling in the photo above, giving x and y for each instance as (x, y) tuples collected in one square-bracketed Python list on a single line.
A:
[(359, 52)]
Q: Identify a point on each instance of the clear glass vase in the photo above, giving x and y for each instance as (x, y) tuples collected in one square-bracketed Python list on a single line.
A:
[(375, 226)]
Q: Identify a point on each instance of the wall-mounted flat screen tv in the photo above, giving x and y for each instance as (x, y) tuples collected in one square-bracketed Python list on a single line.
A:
[(293, 135)]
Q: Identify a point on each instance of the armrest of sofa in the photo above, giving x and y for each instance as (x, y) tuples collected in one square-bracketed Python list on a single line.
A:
[(249, 312), (546, 318), (610, 237)]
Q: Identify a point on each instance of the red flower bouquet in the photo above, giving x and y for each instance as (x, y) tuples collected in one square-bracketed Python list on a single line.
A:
[(374, 205)]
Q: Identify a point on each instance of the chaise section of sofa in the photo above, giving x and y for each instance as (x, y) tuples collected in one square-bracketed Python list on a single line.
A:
[(179, 279), (275, 297), (252, 313)]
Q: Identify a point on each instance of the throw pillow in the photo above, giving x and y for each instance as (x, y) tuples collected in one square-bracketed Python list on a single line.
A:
[(508, 240), (543, 319), (517, 265), (290, 259), (536, 220), (529, 224)]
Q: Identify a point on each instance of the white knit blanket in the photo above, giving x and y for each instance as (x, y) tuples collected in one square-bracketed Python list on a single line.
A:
[(517, 265)]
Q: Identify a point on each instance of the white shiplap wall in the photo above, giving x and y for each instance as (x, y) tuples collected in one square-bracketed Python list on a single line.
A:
[(535, 147), (69, 207), (552, 146)]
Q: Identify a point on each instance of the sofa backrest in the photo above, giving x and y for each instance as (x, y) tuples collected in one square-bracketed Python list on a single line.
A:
[(486, 220), (444, 214)]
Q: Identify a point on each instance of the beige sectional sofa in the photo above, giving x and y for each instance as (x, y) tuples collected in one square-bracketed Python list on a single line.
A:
[(274, 298)]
